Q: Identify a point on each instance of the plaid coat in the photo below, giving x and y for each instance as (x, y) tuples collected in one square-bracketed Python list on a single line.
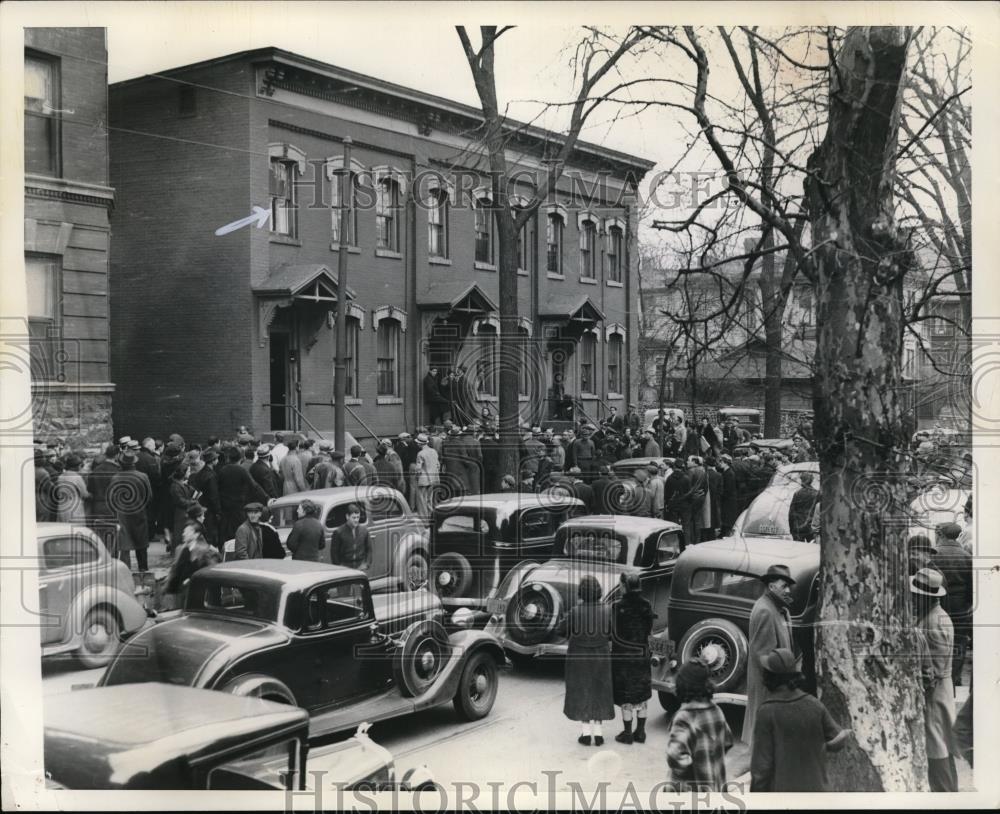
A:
[(697, 745)]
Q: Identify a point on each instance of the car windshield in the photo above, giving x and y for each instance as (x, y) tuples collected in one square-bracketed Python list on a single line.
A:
[(284, 516), (232, 600), (463, 524), (593, 545)]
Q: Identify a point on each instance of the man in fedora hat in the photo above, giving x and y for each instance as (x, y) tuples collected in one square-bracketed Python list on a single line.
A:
[(263, 473), (793, 732), (249, 542), (935, 642), (955, 564), (770, 628), (428, 475)]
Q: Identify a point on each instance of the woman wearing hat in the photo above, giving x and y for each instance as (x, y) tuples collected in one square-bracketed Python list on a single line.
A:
[(70, 493), (793, 731), (935, 643), (193, 552), (589, 694), (699, 735), (632, 622), (770, 628)]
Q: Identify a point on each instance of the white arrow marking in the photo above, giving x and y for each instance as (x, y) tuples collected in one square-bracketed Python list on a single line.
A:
[(260, 215)]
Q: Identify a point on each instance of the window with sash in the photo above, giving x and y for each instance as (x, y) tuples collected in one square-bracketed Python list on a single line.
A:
[(41, 116), (526, 246), (588, 249), (554, 243), (336, 210), (44, 316), (351, 367), (282, 191), (484, 232), (487, 369), (614, 255), (615, 363), (588, 363), (387, 214), (388, 357), (437, 223)]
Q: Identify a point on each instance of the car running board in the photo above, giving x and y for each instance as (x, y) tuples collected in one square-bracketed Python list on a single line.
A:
[(388, 704)]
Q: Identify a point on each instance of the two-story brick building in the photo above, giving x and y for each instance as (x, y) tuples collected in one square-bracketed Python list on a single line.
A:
[(67, 201), (213, 331)]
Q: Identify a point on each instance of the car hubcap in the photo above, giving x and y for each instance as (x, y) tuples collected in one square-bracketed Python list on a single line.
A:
[(97, 638), (418, 573), (530, 612), (444, 579), (480, 684), (427, 662), (715, 655)]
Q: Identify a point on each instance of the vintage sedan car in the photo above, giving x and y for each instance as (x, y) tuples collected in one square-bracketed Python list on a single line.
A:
[(767, 515), (935, 506), (528, 615), (792, 473), (399, 539), (713, 590), (746, 418), (87, 598), (626, 466), (312, 635), (784, 445), (192, 739), (477, 539)]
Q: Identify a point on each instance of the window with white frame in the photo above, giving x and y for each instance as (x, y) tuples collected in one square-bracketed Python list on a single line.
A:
[(387, 356), (614, 254), (437, 223), (387, 214), (282, 191), (351, 361), (588, 249), (526, 246), (41, 119), (487, 369), (588, 363), (337, 209), (44, 315), (615, 355), (554, 226), (484, 231)]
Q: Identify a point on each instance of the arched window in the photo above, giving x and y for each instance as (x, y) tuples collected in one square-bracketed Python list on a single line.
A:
[(387, 356), (487, 367), (437, 222), (616, 245), (351, 361), (387, 194), (588, 248), (554, 225), (615, 355), (286, 163), (336, 210), (484, 231), (526, 246), (588, 363)]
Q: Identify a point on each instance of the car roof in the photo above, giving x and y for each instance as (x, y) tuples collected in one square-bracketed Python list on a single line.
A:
[(102, 734), (802, 466), (335, 495), (638, 462), (755, 557), (508, 501), (626, 524), (61, 530), (291, 574)]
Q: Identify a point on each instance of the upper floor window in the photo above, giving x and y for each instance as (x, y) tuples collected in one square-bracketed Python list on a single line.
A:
[(526, 246), (588, 363), (554, 243), (487, 369), (387, 357), (484, 231), (41, 117), (387, 214), (337, 210), (351, 361), (614, 346), (437, 223), (44, 316), (286, 164), (524, 374), (588, 249), (614, 255)]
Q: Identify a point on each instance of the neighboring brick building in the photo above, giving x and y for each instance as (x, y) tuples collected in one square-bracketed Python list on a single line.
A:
[(67, 201), (212, 332)]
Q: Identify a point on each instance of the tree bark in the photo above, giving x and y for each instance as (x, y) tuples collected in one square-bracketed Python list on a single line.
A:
[(774, 309), (864, 634)]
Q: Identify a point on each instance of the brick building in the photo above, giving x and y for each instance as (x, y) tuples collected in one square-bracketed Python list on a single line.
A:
[(216, 331), (67, 203)]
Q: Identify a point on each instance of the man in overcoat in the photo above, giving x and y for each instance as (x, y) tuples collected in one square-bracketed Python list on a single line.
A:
[(249, 540), (128, 495), (770, 628)]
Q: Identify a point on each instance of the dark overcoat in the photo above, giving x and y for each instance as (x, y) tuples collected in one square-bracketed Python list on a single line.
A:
[(770, 628), (632, 619), (589, 693)]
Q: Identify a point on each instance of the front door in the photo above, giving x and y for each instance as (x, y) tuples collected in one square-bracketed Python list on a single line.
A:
[(280, 376)]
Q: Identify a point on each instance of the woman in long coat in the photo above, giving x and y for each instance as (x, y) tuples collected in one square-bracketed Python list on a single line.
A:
[(181, 494), (589, 694), (193, 552), (632, 620)]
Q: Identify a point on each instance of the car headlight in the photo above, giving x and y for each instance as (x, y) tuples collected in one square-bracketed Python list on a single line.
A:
[(463, 617)]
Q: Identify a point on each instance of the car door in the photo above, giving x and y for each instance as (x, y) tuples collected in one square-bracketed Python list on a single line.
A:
[(69, 563), (656, 578), (383, 518), (536, 532)]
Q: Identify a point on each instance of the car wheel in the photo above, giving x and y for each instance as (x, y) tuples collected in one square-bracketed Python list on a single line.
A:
[(99, 639), (477, 688), (451, 574), (420, 656), (723, 647), (669, 702), (533, 613), (415, 571)]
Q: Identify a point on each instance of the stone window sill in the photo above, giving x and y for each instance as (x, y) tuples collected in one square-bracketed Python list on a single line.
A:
[(350, 401), (615, 284), (439, 261), (524, 399), (590, 397), (486, 397), (388, 253), (335, 247), (588, 280), (615, 397), (523, 273), (485, 266), (285, 240), (388, 400)]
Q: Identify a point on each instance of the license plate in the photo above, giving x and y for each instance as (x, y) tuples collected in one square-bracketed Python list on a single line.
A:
[(659, 646), (496, 606)]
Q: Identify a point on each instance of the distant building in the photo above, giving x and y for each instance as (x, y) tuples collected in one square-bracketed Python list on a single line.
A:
[(216, 331), (67, 201)]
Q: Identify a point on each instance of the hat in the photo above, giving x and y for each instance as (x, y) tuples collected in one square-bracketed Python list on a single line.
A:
[(777, 572), (780, 660), (122, 442), (631, 583), (454, 431), (357, 450), (133, 444), (195, 509), (928, 582), (263, 450), (253, 507), (210, 457), (403, 436), (128, 455), (324, 444), (692, 673), (575, 470), (920, 542), (950, 531), (653, 469), (171, 451), (421, 439), (337, 455), (536, 430), (175, 438)]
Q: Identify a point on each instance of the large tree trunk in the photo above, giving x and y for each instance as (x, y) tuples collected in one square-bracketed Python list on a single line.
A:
[(774, 309), (864, 633)]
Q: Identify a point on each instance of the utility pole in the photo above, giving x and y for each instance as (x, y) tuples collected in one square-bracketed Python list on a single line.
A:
[(339, 366)]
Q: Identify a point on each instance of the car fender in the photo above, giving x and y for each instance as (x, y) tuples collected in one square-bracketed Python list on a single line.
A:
[(130, 613), (464, 644), (258, 685)]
